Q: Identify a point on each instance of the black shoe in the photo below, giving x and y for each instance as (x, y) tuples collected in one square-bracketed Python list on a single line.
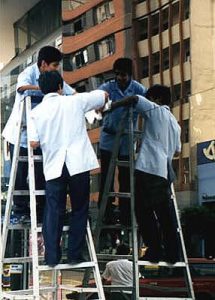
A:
[(52, 265), (171, 259), (74, 261), (153, 258)]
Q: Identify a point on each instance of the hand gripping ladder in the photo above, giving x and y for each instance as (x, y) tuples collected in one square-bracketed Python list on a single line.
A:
[(37, 291), (108, 193)]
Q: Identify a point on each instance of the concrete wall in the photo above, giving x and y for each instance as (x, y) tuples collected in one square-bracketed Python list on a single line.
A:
[(202, 101)]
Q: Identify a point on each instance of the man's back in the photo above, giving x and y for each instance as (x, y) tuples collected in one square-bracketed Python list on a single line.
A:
[(120, 272), (61, 130), (160, 140)]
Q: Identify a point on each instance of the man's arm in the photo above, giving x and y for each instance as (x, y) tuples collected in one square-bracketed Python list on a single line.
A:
[(130, 100), (28, 87)]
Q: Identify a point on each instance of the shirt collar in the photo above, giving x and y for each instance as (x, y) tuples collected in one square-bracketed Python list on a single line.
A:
[(49, 95)]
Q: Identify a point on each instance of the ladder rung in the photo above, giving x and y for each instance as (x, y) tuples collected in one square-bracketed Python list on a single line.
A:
[(122, 163), (78, 289), (164, 298), (13, 296), (35, 157), (20, 260), (161, 264), (27, 193), (65, 228), (115, 226), (112, 256), (81, 265), (119, 195)]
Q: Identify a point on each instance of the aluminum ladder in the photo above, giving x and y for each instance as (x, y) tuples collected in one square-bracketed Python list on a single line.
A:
[(108, 193), (37, 292)]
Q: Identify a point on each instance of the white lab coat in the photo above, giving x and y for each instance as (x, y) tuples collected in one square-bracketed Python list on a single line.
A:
[(28, 77), (58, 123)]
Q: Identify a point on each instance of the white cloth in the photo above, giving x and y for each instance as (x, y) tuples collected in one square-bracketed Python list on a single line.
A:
[(28, 77), (160, 139), (120, 272), (58, 123)]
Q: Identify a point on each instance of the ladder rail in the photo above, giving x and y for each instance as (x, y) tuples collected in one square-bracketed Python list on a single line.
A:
[(36, 291), (188, 274), (107, 185), (132, 205), (31, 175), (12, 180), (93, 257)]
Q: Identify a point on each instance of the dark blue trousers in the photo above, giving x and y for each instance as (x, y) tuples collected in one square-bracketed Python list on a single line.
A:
[(56, 192)]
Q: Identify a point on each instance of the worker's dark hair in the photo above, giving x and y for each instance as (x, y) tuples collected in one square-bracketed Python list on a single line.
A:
[(123, 249), (49, 54), (123, 65), (50, 82), (160, 92)]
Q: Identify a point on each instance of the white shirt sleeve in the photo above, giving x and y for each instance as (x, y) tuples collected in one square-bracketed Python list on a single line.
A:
[(92, 100), (32, 130), (68, 90), (24, 78)]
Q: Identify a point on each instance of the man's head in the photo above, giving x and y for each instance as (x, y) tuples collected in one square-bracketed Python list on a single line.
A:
[(122, 68), (50, 82), (49, 58), (159, 94), (123, 249)]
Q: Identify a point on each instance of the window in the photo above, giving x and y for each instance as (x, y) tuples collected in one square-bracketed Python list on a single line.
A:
[(67, 62), (28, 30), (70, 4), (105, 47), (187, 90), (186, 9), (176, 92), (176, 54), (187, 49), (166, 59), (185, 132), (155, 24), (155, 61), (81, 58), (175, 13), (186, 170), (145, 66), (79, 24), (165, 16), (143, 28), (104, 12)]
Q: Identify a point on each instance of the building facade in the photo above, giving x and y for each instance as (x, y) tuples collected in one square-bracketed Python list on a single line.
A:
[(170, 42)]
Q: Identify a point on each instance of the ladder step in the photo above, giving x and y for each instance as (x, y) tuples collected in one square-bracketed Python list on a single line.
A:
[(162, 298), (115, 226), (36, 158), (119, 195), (106, 257), (81, 265), (78, 289), (161, 264), (122, 163), (20, 260), (27, 193), (10, 296), (65, 228)]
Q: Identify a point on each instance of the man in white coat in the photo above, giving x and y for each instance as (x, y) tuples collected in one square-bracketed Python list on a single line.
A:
[(48, 60), (58, 126)]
